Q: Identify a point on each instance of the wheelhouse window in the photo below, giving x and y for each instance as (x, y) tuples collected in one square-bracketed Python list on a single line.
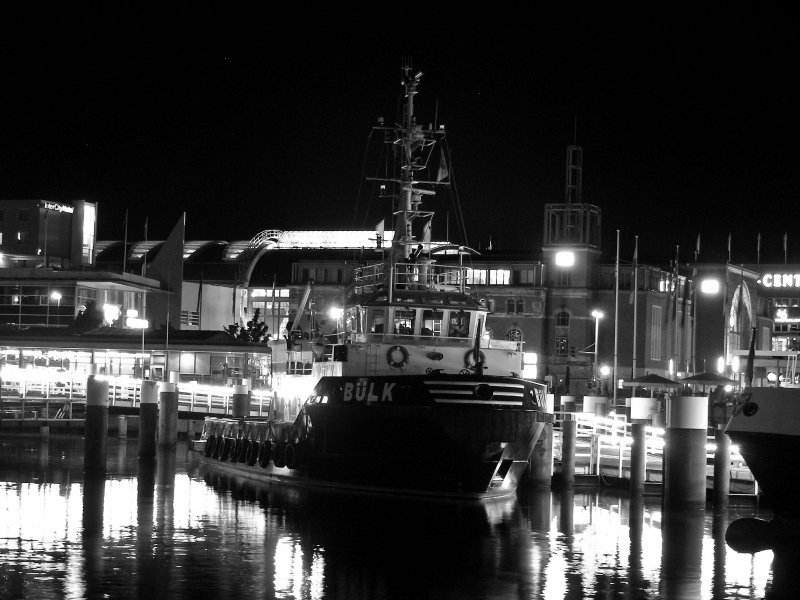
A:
[(432, 322), (376, 320), (404, 321), (459, 324)]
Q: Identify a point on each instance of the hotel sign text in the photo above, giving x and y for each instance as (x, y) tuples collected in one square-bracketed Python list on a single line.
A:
[(777, 280), (56, 206)]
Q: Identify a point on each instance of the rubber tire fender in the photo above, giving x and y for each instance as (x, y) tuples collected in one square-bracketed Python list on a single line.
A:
[(211, 445), (251, 457), (292, 455), (278, 454)]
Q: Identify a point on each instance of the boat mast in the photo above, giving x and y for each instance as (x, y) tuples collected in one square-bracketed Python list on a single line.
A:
[(415, 144)]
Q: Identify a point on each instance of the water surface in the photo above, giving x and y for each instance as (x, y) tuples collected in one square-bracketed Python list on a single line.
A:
[(173, 530)]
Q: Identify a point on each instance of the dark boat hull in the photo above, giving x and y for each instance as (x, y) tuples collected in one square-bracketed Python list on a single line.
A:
[(764, 427), (445, 452)]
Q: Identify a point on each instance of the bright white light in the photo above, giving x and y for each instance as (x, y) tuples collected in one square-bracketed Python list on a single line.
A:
[(728, 388), (565, 258), (735, 364), (530, 358), (709, 286), (671, 366), (56, 296), (132, 312), (597, 314), (720, 365), (335, 312), (136, 323), (772, 377), (110, 313), (605, 370)]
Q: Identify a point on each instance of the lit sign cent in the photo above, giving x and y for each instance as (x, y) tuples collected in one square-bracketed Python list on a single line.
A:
[(780, 280)]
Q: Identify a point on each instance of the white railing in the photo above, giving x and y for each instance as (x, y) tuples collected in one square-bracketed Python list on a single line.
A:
[(24, 399), (603, 444)]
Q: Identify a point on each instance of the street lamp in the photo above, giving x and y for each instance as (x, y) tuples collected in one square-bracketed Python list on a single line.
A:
[(597, 314), (57, 297)]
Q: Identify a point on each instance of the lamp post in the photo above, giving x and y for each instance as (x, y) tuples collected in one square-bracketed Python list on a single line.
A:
[(57, 297), (597, 314)]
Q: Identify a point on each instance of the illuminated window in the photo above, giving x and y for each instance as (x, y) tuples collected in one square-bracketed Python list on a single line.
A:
[(190, 317), (22, 237), (562, 346), (476, 276), (499, 276)]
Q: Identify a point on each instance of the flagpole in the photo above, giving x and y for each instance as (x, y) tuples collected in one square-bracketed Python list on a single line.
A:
[(144, 297), (125, 244), (758, 248), (616, 320), (729, 247), (785, 240), (675, 308), (635, 301)]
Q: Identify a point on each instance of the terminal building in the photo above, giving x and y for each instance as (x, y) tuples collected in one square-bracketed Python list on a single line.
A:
[(587, 323)]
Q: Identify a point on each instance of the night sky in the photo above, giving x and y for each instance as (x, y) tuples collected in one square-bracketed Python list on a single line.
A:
[(685, 129)]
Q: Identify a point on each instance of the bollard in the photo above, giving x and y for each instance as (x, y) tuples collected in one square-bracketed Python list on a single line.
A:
[(722, 467), (638, 458), (241, 400), (148, 420), (685, 450), (167, 415), (96, 427), (601, 406), (541, 472), (569, 434), (122, 426)]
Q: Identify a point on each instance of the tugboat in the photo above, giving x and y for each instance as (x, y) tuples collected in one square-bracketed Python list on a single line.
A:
[(413, 397), (764, 427)]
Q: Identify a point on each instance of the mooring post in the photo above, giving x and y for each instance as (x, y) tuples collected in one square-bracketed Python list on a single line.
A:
[(148, 419), (569, 433), (241, 399), (722, 467), (96, 426), (638, 458), (541, 472), (167, 415), (685, 450)]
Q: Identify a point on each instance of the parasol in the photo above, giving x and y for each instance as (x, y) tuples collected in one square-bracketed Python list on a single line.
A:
[(652, 382), (706, 378)]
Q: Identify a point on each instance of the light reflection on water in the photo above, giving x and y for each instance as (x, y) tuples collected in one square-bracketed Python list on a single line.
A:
[(170, 530)]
